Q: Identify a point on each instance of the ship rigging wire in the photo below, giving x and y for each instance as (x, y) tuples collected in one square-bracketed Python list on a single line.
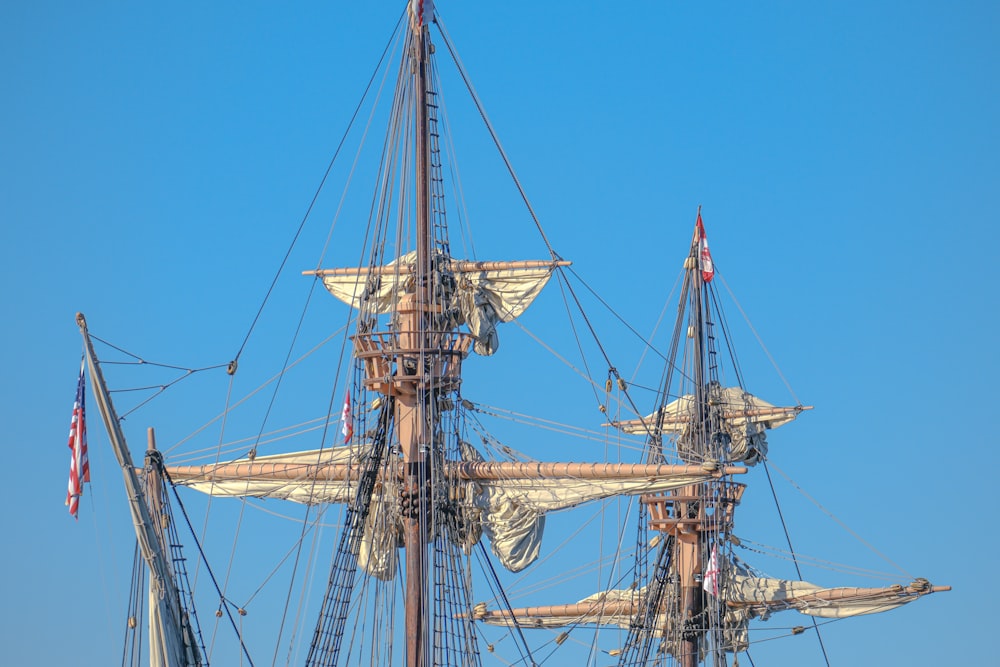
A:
[(798, 570), (315, 198)]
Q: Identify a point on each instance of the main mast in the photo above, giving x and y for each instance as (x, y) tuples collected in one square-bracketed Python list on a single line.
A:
[(412, 410)]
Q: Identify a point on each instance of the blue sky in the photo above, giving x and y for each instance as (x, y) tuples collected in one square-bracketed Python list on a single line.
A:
[(157, 160)]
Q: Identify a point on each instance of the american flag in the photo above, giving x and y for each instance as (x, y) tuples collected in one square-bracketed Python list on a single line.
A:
[(79, 466)]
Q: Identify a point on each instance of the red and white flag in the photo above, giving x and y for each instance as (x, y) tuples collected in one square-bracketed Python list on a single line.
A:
[(347, 427), (422, 11), (79, 466), (707, 268), (711, 578)]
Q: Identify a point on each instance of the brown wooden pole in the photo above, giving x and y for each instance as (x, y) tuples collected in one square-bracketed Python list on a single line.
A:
[(606, 608), (411, 407), (731, 414), (688, 542), (842, 594), (688, 555), (499, 470), (458, 266), (466, 470)]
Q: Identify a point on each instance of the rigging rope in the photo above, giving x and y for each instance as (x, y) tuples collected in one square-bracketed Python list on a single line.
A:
[(142, 362), (522, 646), (231, 406), (727, 337), (811, 561), (188, 372), (494, 136), (312, 203), (838, 521), (305, 518), (760, 341), (586, 375), (204, 560), (208, 505), (642, 628), (133, 629), (647, 343), (263, 423), (329, 633), (788, 537), (557, 427)]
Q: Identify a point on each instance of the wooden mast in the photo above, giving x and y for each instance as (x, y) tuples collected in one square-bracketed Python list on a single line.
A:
[(154, 498), (466, 471), (682, 513), (610, 608), (688, 542), (412, 418)]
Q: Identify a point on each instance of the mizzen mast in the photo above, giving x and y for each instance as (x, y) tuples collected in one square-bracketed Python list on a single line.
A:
[(688, 502), (690, 519)]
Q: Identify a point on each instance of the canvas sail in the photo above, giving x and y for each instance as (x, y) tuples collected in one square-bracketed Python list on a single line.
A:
[(486, 293), (509, 498), (750, 597), (293, 476), (741, 417), (763, 596)]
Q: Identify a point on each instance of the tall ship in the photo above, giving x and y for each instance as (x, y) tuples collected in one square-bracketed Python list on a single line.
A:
[(416, 521)]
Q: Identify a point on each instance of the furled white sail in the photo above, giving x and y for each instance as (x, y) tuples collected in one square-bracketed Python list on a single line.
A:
[(741, 416), (745, 597), (736, 406), (487, 298), (378, 554), (328, 476), (508, 499), (763, 596), (486, 293), (381, 292), (514, 503), (293, 476)]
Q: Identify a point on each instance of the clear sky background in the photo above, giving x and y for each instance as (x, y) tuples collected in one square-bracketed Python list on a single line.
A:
[(155, 162)]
